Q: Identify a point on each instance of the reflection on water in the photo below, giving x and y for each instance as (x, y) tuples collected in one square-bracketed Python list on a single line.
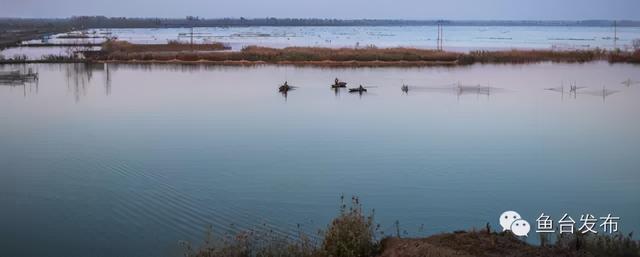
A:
[(78, 77), (129, 159)]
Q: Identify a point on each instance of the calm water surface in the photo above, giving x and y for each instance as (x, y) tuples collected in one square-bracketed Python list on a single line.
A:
[(126, 160)]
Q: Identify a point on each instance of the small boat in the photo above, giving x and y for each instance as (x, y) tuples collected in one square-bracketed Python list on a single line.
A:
[(359, 89), (405, 88), (339, 85), (285, 87)]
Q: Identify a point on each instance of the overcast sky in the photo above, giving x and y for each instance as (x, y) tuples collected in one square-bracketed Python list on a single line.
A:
[(344, 9)]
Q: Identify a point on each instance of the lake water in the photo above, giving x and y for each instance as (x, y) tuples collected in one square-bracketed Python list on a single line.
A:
[(127, 160), (456, 38), (36, 53)]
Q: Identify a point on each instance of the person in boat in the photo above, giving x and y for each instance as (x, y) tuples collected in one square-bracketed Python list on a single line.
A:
[(360, 88), (285, 87), (405, 88), (337, 81)]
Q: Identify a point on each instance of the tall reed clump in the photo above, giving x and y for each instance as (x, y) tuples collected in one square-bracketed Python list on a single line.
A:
[(617, 56), (525, 56), (368, 54), (254, 243), (113, 46), (179, 51), (616, 245), (352, 233)]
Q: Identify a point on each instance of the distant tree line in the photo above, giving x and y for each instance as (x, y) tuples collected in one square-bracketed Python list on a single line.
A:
[(84, 22)]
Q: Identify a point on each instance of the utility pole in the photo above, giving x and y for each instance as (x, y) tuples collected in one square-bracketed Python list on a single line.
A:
[(615, 35), (192, 37), (439, 41), (439, 35), (438, 38)]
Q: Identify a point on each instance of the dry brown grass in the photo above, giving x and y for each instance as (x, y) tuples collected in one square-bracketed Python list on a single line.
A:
[(625, 57), (123, 51), (347, 57), (352, 233), (346, 54), (483, 244), (173, 46), (524, 56)]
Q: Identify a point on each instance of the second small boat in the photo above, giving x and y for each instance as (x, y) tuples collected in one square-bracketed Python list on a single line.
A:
[(359, 89)]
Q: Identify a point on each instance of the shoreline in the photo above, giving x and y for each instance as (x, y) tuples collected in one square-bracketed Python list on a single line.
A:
[(354, 233), (319, 64), (216, 53), (293, 63)]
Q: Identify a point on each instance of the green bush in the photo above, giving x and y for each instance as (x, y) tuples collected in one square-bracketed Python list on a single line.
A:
[(352, 233)]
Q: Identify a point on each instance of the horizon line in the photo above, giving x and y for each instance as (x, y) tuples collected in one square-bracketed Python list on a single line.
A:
[(318, 18)]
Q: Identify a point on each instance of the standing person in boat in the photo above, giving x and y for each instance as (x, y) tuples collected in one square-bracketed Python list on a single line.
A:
[(285, 87), (337, 81), (361, 88)]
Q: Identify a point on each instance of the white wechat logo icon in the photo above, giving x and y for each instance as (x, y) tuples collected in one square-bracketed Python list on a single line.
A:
[(520, 227), (512, 221)]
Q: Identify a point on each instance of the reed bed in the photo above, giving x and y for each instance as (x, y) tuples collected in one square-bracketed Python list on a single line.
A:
[(118, 51), (525, 56), (172, 46), (354, 233), (625, 57)]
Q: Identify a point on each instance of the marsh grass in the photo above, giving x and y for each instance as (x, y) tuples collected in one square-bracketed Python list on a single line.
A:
[(113, 46), (524, 56), (476, 243), (60, 58), (354, 233), (346, 54), (618, 56), (253, 243), (615, 245), (350, 234), (124, 51), (367, 56)]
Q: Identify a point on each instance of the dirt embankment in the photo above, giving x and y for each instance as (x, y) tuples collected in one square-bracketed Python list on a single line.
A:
[(483, 244)]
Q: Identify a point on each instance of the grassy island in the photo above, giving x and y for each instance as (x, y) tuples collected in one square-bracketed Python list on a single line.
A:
[(120, 51)]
